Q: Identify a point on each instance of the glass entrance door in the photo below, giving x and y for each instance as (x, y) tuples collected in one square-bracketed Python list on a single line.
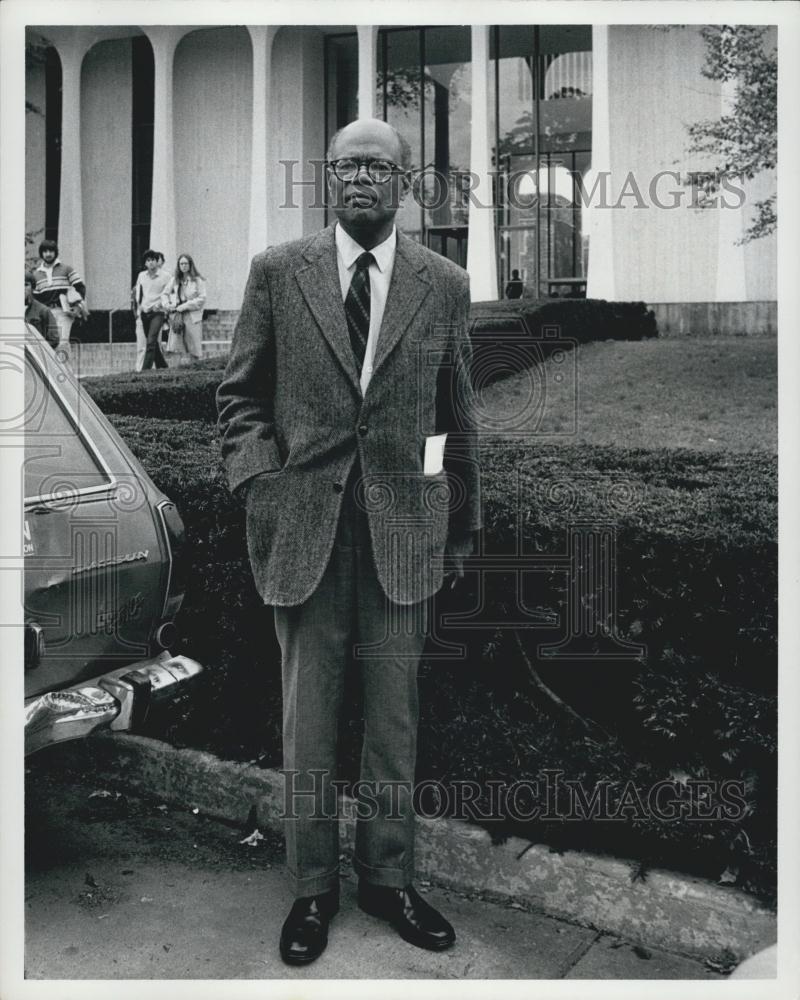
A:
[(450, 242)]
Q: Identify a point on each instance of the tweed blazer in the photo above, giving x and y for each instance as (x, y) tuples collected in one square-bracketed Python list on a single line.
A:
[(292, 415)]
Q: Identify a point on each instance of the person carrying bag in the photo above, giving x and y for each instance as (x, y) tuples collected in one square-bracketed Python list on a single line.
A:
[(185, 297), (177, 329)]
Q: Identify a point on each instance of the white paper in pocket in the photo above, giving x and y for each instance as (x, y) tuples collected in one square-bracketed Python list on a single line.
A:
[(434, 454)]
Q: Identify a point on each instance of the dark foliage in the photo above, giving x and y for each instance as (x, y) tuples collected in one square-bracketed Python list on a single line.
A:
[(169, 393), (580, 319), (508, 337)]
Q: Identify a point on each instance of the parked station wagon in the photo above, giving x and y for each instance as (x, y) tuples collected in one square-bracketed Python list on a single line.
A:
[(103, 582)]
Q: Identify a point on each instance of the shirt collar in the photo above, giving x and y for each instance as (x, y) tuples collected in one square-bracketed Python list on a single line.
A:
[(350, 251)]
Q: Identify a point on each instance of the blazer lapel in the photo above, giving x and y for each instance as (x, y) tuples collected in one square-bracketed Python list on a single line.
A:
[(407, 291), (319, 283)]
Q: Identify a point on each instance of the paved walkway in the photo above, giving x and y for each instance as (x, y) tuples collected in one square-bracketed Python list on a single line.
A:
[(119, 887)]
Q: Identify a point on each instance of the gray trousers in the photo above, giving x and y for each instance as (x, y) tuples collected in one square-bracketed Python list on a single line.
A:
[(318, 639)]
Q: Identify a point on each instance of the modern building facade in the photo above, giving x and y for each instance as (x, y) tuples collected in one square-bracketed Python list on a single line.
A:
[(558, 151)]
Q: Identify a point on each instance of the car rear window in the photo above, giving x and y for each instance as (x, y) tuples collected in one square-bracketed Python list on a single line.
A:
[(59, 459)]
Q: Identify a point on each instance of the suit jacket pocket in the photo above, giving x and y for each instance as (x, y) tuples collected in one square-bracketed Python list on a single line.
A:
[(260, 484)]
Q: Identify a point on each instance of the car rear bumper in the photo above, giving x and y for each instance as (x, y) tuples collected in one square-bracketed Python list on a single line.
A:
[(118, 700)]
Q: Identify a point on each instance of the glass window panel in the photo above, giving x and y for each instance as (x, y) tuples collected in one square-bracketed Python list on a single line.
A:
[(581, 163), (565, 76), (515, 89), (518, 252), (401, 84), (447, 119), (342, 52), (556, 38), (542, 74), (57, 457)]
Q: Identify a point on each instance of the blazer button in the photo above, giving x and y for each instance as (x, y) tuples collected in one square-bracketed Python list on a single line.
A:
[(362, 429)]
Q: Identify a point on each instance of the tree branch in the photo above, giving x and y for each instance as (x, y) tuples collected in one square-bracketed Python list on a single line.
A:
[(549, 694)]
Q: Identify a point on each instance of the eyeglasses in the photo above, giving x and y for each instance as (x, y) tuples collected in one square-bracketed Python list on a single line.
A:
[(378, 171)]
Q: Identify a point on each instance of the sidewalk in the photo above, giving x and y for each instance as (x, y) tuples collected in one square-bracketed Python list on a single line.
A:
[(665, 910), (122, 887)]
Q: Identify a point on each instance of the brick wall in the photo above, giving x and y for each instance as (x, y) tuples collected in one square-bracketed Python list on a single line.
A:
[(102, 359), (218, 324), (710, 319)]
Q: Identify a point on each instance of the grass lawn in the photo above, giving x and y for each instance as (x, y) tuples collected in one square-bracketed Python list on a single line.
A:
[(709, 395)]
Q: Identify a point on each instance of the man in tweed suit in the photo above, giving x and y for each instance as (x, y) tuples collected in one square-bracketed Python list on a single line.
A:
[(350, 354)]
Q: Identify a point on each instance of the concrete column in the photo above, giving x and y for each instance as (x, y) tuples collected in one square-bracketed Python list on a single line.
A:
[(598, 220), (731, 283), (164, 40), (261, 37), (367, 69), (72, 45), (481, 254)]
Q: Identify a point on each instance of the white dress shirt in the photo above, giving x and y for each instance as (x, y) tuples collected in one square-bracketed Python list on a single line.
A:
[(380, 276)]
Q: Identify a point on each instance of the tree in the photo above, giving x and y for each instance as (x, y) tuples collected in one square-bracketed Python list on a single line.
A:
[(744, 141)]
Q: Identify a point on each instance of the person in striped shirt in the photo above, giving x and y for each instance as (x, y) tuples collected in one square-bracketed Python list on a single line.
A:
[(53, 280)]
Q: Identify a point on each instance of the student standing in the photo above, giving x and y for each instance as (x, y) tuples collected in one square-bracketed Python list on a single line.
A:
[(185, 295), (57, 285), (149, 288)]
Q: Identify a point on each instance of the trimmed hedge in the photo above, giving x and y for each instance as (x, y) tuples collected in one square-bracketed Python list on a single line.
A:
[(512, 336), (696, 571), (580, 319), (171, 393)]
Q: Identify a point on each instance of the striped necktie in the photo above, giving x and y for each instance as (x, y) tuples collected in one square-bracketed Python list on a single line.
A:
[(357, 307)]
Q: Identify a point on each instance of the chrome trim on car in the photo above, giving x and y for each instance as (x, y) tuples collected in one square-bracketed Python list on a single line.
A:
[(141, 555), (171, 561), (107, 701), (67, 715), (166, 634)]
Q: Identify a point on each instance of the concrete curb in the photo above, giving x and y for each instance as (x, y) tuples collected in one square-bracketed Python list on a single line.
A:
[(677, 913)]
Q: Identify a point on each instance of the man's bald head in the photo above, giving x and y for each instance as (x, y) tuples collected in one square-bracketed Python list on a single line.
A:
[(372, 129)]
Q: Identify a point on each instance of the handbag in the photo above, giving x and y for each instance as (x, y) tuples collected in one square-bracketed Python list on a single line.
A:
[(177, 327), (177, 323)]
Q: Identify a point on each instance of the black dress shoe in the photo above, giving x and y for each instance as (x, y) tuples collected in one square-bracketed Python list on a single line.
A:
[(305, 931), (414, 920)]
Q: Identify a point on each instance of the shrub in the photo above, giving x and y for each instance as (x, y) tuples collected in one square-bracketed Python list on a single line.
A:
[(171, 393), (514, 335), (696, 572), (582, 319)]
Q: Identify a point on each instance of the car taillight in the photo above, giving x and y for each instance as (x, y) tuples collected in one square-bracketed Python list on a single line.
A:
[(175, 536)]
